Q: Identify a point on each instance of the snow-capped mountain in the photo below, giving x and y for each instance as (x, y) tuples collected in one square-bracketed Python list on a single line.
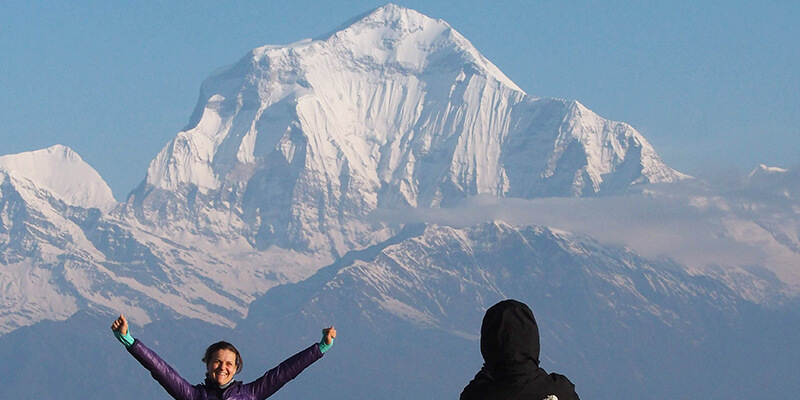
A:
[(61, 171), (287, 155), (37, 191), (774, 182), (262, 220), (767, 201), (294, 145), (425, 275), (408, 312), (617, 324), (60, 253)]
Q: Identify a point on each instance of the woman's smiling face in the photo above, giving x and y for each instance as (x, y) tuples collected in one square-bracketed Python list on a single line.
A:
[(221, 366)]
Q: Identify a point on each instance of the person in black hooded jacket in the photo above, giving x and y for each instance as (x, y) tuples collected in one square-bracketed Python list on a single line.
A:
[(510, 349)]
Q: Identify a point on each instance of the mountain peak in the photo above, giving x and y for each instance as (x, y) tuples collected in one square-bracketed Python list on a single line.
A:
[(388, 16), (411, 40), (394, 109), (61, 171), (374, 64), (390, 12)]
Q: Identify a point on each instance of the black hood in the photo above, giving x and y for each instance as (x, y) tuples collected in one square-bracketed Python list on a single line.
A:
[(509, 335)]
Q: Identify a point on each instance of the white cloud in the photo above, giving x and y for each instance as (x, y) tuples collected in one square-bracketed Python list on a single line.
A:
[(690, 223)]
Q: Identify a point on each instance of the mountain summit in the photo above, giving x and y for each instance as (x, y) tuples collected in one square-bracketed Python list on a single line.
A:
[(294, 145), (63, 173)]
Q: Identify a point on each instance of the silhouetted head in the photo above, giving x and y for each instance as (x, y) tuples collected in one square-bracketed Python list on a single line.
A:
[(509, 335)]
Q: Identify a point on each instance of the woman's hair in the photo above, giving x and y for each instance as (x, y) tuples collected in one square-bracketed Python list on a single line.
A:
[(223, 345)]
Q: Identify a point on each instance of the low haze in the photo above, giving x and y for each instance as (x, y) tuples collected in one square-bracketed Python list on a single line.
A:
[(712, 85), (694, 224), (653, 227)]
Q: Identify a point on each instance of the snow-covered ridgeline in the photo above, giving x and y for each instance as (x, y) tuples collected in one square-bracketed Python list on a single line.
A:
[(434, 279), (57, 256), (294, 145), (63, 172), (290, 150)]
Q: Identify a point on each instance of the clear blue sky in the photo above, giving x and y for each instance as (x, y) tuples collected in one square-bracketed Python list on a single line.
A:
[(711, 84)]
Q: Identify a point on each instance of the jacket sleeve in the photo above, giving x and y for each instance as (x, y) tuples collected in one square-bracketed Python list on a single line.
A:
[(166, 376), (275, 378)]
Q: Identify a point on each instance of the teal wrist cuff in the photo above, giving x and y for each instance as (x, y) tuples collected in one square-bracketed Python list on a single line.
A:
[(125, 339), (325, 347)]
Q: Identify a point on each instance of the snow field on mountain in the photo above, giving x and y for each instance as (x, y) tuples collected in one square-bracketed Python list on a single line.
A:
[(296, 154), (33, 295), (62, 171)]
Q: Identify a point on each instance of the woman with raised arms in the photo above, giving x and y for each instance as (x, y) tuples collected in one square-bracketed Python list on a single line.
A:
[(222, 362)]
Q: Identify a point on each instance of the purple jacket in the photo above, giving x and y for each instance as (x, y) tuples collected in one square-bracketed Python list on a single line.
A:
[(259, 389)]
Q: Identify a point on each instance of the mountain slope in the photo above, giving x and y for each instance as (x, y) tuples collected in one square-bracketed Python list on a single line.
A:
[(57, 258), (617, 324), (63, 172), (37, 190), (408, 312), (294, 145)]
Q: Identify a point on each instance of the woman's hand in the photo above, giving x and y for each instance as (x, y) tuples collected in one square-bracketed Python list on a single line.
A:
[(121, 326), (328, 334)]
